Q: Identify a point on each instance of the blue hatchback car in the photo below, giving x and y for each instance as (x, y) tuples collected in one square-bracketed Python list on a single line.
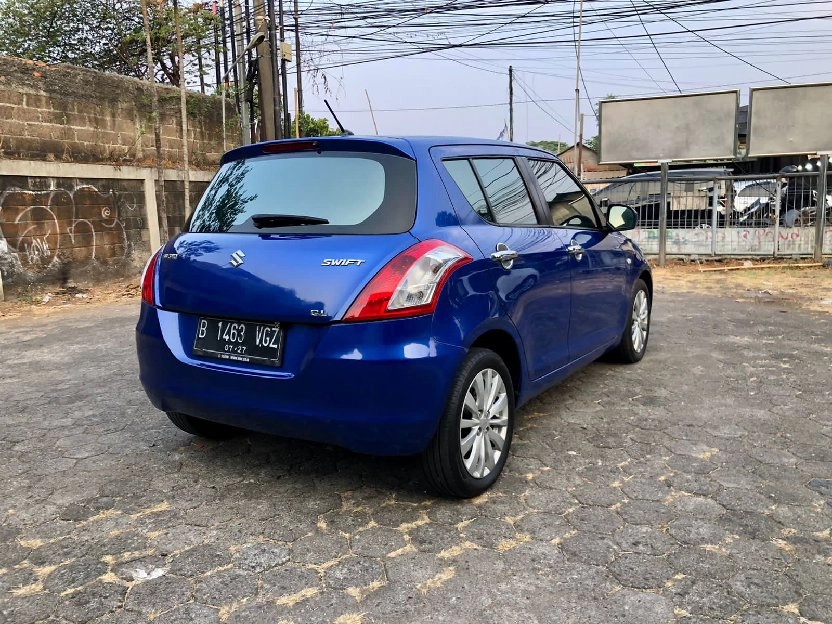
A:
[(389, 295)]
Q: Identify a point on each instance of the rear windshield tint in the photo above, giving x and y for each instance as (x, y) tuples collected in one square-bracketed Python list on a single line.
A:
[(356, 192)]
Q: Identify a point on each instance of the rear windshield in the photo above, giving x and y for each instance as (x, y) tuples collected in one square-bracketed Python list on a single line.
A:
[(329, 192)]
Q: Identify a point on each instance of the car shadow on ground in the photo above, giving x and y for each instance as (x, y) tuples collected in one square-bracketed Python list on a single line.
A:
[(285, 462), (269, 457)]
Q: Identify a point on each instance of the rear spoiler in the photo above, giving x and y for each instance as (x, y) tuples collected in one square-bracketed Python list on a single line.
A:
[(395, 147)]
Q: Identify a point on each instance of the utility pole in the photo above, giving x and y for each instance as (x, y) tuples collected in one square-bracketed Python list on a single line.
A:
[(183, 108), (224, 51), (578, 83), (264, 67), (232, 38), (580, 150), (248, 84), (200, 67), (822, 208), (245, 117), (217, 67), (287, 120), (298, 71), (297, 119), (256, 40), (510, 103), (157, 129), (273, 52)]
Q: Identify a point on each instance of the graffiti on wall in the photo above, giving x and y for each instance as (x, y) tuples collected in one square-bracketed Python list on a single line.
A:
[(78, 226), (750, 241)]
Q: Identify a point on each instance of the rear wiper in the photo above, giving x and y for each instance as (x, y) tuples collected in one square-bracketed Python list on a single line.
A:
[(273, 220)]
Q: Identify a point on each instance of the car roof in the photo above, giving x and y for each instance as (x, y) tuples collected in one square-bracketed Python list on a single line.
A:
[(431, 141), (392, 143)]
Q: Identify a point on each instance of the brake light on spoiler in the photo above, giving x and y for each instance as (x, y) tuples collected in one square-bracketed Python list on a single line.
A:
[(408, 285), (283, 147)]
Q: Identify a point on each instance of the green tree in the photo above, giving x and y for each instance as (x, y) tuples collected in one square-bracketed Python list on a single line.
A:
[(54, 31), (595, 142), (312, 127), (556, 147), (106, 35)]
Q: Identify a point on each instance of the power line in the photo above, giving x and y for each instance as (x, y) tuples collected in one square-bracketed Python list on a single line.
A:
[(539, 99), (410, 19), (522, 86), (711, 43), (449, 107), (627, 50), (532, 100), (659, 54), (503, 43), (343, 33)]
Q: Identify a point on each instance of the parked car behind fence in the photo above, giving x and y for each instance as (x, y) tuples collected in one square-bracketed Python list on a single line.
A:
[(747, 201), (691, 196), (751, 215)]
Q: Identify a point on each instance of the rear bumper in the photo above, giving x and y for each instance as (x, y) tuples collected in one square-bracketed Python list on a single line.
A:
[(377, 387)]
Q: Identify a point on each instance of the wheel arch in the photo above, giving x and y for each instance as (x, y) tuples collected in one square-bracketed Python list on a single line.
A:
[(503, 344), (647, 277)]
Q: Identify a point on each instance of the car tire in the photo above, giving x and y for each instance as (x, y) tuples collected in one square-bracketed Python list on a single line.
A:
[(637, 329), (200, 427), (463, 462)]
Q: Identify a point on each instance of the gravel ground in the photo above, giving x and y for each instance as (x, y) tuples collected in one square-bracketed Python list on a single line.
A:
[(694, 487)]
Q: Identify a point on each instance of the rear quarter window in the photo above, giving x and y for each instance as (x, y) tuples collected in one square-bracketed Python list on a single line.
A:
[(496, 192), (356, 193), (465, 179)]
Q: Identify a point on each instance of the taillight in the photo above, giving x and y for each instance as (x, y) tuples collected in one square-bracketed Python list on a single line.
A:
[(149, 277), (409, 284)]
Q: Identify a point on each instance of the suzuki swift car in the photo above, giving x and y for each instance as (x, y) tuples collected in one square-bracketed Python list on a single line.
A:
[(389, 295)]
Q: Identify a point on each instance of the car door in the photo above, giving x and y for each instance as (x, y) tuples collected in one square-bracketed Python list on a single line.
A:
[(598, 259), (526, 263)]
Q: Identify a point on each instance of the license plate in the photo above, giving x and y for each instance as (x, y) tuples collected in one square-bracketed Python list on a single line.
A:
[(239, 341)]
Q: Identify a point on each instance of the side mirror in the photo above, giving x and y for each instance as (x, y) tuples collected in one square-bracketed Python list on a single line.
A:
[(622, 218)]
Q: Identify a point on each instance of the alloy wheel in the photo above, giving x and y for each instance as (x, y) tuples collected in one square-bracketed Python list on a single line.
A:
[(641, 321), (483, 423)]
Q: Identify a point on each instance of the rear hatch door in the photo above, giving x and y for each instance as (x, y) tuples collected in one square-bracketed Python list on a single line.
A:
[(292, 230), (290, 278)]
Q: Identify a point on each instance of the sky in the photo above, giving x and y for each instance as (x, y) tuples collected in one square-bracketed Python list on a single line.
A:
[(462, 87)]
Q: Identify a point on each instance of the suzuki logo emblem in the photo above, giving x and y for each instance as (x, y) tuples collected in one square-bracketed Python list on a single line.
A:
[(237, 258)]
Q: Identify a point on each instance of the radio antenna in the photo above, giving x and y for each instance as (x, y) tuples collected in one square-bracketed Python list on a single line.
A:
[(344, 131)]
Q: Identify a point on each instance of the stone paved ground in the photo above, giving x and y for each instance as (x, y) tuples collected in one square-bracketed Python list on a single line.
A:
[(695, 487)]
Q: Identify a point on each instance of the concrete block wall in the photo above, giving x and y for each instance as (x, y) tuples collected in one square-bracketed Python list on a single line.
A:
[(175, 202), (77, 169), (69, 114), (55, 226), (63, 221)]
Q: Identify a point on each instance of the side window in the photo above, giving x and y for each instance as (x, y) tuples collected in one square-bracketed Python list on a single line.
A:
[(507, 194), (567, 201), (465, 179)]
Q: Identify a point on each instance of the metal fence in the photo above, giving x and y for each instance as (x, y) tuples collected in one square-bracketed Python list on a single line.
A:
[(713, 213)]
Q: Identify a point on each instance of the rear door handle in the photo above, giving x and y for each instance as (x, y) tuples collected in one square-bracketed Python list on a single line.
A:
[(504, 256), (576, 250)]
